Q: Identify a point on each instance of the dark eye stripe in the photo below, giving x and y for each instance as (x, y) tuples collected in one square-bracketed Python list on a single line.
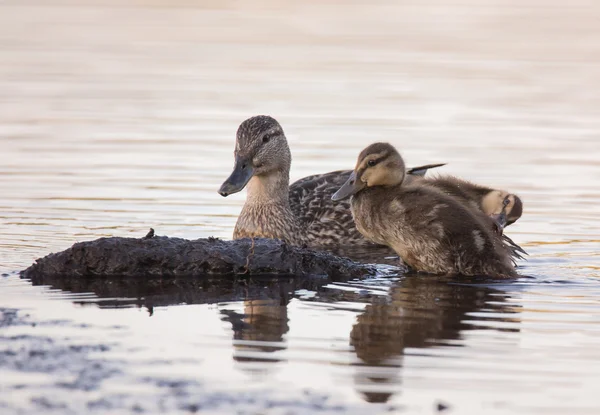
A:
[(374, 162)]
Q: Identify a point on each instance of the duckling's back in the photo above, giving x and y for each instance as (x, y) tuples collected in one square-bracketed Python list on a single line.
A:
[(431, 231), (468, 193)]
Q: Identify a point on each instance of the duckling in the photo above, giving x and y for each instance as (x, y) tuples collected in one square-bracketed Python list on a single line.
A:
[(501, 207), (300, 214), (431, 231), (505, 208)]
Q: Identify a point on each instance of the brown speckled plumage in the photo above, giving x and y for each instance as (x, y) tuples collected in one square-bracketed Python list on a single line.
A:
[(430, 230), (302, 213)]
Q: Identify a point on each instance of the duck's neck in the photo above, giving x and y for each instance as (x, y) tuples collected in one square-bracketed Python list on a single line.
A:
[(267, 212), (267, 189)]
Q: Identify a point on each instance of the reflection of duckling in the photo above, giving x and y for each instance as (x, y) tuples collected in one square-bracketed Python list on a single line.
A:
[(419, 313), (300, 214), (431, 231)]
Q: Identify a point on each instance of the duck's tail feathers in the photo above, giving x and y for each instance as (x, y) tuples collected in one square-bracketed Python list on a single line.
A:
[(421, 170)]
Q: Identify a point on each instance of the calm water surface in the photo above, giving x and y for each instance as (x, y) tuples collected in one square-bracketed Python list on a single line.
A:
[(117, 116)]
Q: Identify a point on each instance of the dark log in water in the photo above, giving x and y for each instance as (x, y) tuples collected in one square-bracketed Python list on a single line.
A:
[(175, 257)]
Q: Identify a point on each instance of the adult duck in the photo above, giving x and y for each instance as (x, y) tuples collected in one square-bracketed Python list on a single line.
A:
[(300, 214)]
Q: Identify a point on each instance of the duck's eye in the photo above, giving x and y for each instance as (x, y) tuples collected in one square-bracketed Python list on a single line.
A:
[(266, 139), (371, 163), (506, 201)]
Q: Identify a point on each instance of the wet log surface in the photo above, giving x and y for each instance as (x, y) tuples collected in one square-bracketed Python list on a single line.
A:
[(176, 257)]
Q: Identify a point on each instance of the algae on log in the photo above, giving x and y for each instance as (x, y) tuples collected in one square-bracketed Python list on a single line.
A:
[(176, 257)]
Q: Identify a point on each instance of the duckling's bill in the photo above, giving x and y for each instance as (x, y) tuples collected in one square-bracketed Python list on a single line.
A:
[(243, 170), (500, 219), (349, 188)]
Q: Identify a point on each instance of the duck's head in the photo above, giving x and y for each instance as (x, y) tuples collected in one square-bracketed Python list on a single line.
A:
[(261, 149), (380, 164), (505, 208)]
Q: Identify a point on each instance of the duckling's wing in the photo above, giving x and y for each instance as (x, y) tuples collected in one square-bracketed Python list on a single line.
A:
[(421, 170)]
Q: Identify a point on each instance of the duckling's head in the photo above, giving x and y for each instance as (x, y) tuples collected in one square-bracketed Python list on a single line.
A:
[(504, 207), (379, 164), (261, 149)]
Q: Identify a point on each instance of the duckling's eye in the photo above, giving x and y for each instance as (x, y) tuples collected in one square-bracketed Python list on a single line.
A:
[(266, 138), (506, 201), (371, 163)]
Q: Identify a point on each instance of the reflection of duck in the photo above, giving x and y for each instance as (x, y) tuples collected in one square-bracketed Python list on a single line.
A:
[(263, 321), (430, 230), (419, 313), (261, 326), (301, 214)]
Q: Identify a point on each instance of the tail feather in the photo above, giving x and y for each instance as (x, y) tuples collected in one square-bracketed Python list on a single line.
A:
[(514, 249)]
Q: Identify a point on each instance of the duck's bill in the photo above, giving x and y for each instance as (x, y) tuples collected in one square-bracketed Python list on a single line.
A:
[(349, 188), (500, 220), (239, 178)]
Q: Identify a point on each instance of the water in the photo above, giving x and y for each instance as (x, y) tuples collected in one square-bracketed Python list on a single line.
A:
[(119, 116)]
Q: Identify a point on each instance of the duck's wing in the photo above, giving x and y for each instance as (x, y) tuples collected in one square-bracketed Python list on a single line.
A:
[(326, 223), (309, 182), (421, 170), (310, 197)]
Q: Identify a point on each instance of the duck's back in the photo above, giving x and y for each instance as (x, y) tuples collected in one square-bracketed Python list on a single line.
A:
[(324, 222)]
